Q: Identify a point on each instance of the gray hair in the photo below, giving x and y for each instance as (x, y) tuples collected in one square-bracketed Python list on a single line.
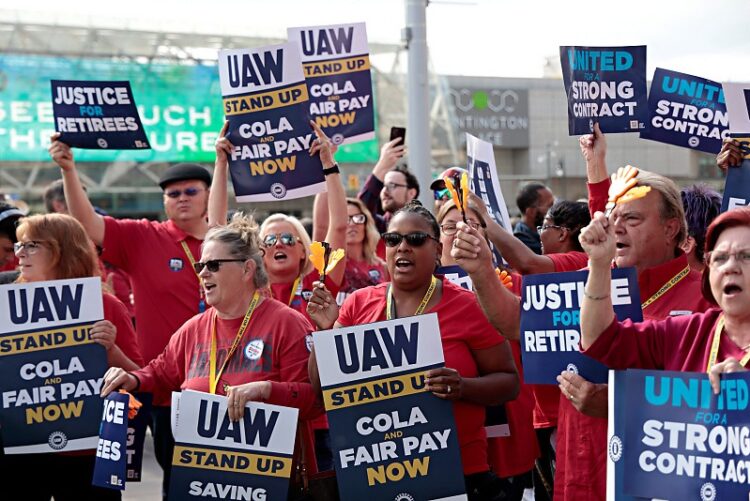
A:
[(671, 200), (242, 238)]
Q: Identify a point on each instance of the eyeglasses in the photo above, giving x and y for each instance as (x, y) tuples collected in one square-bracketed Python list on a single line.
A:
[(441, 194), (213, 265), (414, 239), (450, 229), (286, 239), (31, 247), (543, 227), (716, 259), (357, 219), (393, 186), (190, 192)]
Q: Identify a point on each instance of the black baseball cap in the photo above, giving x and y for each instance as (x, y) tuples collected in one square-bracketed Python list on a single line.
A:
[(184, 172), (9, 216)]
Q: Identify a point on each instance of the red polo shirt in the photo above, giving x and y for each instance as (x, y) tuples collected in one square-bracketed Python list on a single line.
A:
[(166, 290)]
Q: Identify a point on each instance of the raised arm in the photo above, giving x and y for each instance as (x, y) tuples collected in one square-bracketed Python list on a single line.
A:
[(501, 306), (519, 256), (597, 312), (594, 151), (78, 202), (217, 197), (337, 214)]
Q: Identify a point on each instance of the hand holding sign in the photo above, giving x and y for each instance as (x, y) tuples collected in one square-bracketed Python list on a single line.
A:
[(588, 398), (238, 396), (61, 153), (594, 146), (224, 147), (116, 378), (726, 367), (730, 154), (322, 307), (445, 383), (104, 332)]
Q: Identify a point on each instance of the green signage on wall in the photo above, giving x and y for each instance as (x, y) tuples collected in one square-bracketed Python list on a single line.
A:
[(180, 106)]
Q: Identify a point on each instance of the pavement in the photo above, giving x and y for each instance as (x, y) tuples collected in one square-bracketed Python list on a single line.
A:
[(149, 488)]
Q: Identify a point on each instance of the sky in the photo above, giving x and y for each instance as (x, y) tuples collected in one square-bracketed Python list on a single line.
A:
[(500, 38)]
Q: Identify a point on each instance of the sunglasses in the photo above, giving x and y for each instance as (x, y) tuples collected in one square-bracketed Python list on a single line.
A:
[(357, 219), (213, 265), (414, 239), (285, 238), (191, 192), (441, 194)]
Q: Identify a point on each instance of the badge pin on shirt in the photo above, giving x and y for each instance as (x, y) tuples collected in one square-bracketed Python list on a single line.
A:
[(324, 258), (458, 186), (623, 188)]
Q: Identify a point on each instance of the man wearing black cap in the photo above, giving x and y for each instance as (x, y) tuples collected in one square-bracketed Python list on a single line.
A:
[(158, 256)]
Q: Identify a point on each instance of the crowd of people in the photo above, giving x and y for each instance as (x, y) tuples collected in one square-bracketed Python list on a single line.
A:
[(183, 298)]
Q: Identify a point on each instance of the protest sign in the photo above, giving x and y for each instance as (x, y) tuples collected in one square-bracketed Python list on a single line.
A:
[(218, 458), (457, 275), (266, 104), (737, 186), (97, 115), (483, 176), (136, 435), (605, 85), (110, 463), (50, 370), (550, 323), (336, 62), (679, 441), (737, 96), (391, 438), (685, 110)]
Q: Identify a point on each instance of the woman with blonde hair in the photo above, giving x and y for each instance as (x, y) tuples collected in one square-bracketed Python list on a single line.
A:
[(56, 247)]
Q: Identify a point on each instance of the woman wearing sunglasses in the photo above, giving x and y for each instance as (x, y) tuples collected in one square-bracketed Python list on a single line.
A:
[(56, 247), (479, 369), (248, 347), (363, 266), (284, 239)]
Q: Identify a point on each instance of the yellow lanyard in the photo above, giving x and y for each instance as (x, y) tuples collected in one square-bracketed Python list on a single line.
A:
[(664, 288), (390, 307), (213, 377), (713, 355), (295, 289), (201, 302)]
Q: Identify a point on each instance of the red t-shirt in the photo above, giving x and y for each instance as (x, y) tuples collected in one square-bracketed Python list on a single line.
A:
[(463, 328), (166, 290), (297, 299), (358, 275), (115, 312), (513, 455), (582, 440), (273, 348), (598, 195), (569, 261)]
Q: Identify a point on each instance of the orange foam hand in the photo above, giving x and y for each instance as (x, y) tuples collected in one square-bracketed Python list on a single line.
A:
[(133, 404), (323, 258), (504, 278)]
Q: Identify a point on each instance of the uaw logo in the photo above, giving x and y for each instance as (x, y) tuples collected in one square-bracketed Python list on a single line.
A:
[(57, 440), (694, 142), (176, 264), (102, 142), (278, 190), (615, 448), (572, 368), (374, 275), (495, 100), (307, 294), (337, 138), (403, 496), (708, 492)]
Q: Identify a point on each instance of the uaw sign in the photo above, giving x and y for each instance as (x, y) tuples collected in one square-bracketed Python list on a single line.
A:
[(391, 438), (491, 112)]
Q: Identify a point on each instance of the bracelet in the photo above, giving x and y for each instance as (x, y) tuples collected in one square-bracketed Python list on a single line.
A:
[(334, 169), (594, 298)]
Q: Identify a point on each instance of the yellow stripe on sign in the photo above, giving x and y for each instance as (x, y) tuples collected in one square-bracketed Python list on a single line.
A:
[(337, 67), (265, 101), (374, 391), (44, 340), (238, 462)]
